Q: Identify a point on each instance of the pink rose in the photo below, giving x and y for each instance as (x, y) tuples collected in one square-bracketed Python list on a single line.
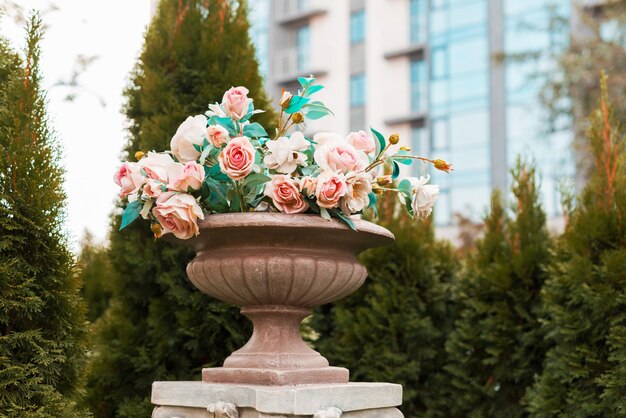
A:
[(178, 213), (357, 194), (129, 178), (235, 102), (237, 158), (153, 188), (191, 177), (361, 141), (160, 166), (217, 135), (330, 188), (341, 157), (285, 194), (308, 185)]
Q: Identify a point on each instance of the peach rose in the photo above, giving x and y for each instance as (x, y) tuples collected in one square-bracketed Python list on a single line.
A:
[(129, 178), (191, 177), (178, 213), (217, 135), (236, 102), (153, 188), (330, 188), (308, 185), (285, 194), (357, 194), (160, 166), (361, 141), (191, 132), (341, 157), (237, 158)]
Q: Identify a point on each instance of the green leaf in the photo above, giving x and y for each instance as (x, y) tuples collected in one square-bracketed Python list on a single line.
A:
[(405, 187), (312, 90), (130, 213), (295, 104), (306, 81), (197, 147), (372, 204), (316, 114), (324, 213), (256, 179), (226, 122), (400, 157), (381, 143), (317, 105), (254, 130), (344, 218), (396, 170), (215, 172)]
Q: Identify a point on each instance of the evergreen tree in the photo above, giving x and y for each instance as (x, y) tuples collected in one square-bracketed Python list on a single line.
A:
[(42, 325), (158, 326), (497, 346), (394, 328), (585, 297), (95, 272)]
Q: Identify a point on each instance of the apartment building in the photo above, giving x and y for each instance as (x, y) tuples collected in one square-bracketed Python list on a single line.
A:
[(430, 71)]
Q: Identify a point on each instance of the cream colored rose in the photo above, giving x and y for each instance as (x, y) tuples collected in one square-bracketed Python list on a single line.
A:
[(237, 158), (285, 194), (284, 154), (361, 141), (191, 132), (160, 166), (153, 188), (217, 135), (178, 214), (357, 195), (424, 196), (129, 178), (236, 102), (330, 188), (325, 138), (340, 157), (308, 185), (191, 177)]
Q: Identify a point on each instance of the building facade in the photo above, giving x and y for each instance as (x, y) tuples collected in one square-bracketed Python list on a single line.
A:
[(432, 71)]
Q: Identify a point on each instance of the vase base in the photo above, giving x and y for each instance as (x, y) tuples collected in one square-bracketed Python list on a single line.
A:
[(270, 377)]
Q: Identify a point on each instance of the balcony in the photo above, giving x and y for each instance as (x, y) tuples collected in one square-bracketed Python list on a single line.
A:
[(414, 50), (294, 12), (415, 119), (289, 65)]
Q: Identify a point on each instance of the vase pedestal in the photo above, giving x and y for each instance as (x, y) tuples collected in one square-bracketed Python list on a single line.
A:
[(217, 400)]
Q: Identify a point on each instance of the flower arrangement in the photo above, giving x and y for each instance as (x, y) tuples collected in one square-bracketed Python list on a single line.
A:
[(222, 162)]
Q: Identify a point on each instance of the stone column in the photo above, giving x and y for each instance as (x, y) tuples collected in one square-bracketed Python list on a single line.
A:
[(215, 400)]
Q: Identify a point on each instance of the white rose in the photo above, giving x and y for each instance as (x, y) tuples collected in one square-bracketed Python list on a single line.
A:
[(191, 132), (160, 166), (424, 196), (326, 138), (284, 154), (357, 195)]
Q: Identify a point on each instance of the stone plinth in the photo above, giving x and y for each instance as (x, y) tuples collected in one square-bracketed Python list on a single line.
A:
[(212, 400)]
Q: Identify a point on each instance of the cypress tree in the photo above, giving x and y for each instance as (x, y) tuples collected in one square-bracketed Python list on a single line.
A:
[(158, 326), (393, 329), (584, 299), (497, 346), (95, 272), (42, 325)]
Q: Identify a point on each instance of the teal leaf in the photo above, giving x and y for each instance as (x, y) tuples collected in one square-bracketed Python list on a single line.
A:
[(316, 114), (402, 157), (306, 81), (312, 90), (215, 172), (396, 170), (197, 147), (226, 122), (254, 130), (344, 218), (130, 213), (372, 204), (405, 187), (381, 143), (296, 103), (204, 155)]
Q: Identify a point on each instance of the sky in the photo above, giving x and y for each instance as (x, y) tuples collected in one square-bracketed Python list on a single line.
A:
[(91, 127)]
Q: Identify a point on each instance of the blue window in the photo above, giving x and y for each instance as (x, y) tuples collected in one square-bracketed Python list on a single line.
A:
[(418, 85), (302, 48), (357, 26), (417, 21), (357, 90)]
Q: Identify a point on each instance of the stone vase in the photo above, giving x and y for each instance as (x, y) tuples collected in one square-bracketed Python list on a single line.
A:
[(278, 267)]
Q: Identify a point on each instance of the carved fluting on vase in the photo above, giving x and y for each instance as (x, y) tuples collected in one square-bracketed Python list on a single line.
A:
[(278, 267)]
